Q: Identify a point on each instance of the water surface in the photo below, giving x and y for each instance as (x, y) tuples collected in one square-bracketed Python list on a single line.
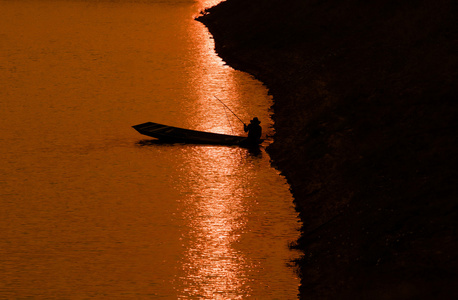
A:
[(91, 209)]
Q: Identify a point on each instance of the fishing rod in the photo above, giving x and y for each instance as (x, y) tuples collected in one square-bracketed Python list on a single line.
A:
[(229, 110), (229, 121)]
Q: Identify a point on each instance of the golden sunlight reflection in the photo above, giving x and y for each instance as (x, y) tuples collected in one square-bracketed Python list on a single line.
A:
[(218, 184), (211, 79), (214, 80), (217, 216), (208, 3)]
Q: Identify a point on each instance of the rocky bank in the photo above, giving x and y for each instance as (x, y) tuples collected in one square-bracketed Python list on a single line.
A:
[(366, 119)]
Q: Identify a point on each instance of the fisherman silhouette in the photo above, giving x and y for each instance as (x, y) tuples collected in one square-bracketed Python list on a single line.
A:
[(254, 130)]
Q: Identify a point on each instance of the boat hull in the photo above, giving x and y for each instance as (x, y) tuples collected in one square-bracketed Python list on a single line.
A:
[(180, 135)]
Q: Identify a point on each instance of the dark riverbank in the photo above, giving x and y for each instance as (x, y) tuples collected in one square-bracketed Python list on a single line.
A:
[(366, 106)]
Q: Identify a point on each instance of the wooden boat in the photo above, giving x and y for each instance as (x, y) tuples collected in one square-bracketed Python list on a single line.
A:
[(180, 135)]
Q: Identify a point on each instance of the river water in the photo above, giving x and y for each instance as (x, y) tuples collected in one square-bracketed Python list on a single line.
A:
[(90, 209)]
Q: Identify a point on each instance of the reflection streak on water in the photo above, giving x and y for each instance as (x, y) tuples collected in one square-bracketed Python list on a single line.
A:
[(219, 203), (213, 268), (208, 3), (212, 78), (216, 218), (210, 81)]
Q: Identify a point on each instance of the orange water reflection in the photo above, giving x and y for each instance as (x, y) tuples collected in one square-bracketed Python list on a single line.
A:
[(218, 189), (208, 3), (217, 216), (211, 78), (214, 80)]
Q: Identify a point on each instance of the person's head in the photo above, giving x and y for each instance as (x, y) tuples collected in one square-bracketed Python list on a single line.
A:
[(255, 121)]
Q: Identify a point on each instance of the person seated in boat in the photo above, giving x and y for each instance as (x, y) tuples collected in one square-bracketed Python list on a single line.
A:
[(254, 130)]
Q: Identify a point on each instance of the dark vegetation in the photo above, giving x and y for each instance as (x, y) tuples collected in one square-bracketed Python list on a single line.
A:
[(366, 100)]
